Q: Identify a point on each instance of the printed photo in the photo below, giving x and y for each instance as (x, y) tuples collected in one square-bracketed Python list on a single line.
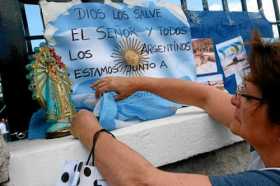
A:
[(233, 57), (212, 80), (204, 55)]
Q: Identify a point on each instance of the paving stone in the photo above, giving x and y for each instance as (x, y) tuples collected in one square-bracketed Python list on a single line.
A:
[(4, 161)]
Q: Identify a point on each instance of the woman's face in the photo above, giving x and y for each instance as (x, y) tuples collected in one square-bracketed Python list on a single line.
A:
[(251, 114)]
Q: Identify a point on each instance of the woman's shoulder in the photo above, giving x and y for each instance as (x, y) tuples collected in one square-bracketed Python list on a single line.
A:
[(264, 177)]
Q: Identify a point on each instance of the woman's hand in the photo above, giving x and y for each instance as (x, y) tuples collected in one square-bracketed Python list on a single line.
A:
[(123, 86), (84, 126)]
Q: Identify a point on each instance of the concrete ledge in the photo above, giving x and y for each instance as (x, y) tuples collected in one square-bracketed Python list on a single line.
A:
[(190, 132)]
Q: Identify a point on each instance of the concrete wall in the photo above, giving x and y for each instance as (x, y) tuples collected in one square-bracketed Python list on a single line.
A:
[(164, 141), (226, 160)]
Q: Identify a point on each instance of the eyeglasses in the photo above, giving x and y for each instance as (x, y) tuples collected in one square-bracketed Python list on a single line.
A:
[(241, 92)]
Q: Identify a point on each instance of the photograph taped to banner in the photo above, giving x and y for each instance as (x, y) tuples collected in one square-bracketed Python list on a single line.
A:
[(233, 58), (204, 54), (215, 80)]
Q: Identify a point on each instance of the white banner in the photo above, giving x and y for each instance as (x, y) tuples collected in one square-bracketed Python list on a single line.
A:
[(118, 39)]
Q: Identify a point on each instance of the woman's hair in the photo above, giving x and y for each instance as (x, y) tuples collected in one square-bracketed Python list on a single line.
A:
[(264, 62)]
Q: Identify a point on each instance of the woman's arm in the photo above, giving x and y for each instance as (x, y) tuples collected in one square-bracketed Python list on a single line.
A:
[(122, 166), (216, 102)]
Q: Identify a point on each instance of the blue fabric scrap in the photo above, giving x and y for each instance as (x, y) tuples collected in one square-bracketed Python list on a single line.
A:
[(38, 125), (141, 106)]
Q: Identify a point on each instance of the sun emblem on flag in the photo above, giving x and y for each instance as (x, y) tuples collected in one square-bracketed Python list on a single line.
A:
[(129, 57)]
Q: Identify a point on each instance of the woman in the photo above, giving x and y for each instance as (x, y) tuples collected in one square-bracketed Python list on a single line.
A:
[(253, 113)]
